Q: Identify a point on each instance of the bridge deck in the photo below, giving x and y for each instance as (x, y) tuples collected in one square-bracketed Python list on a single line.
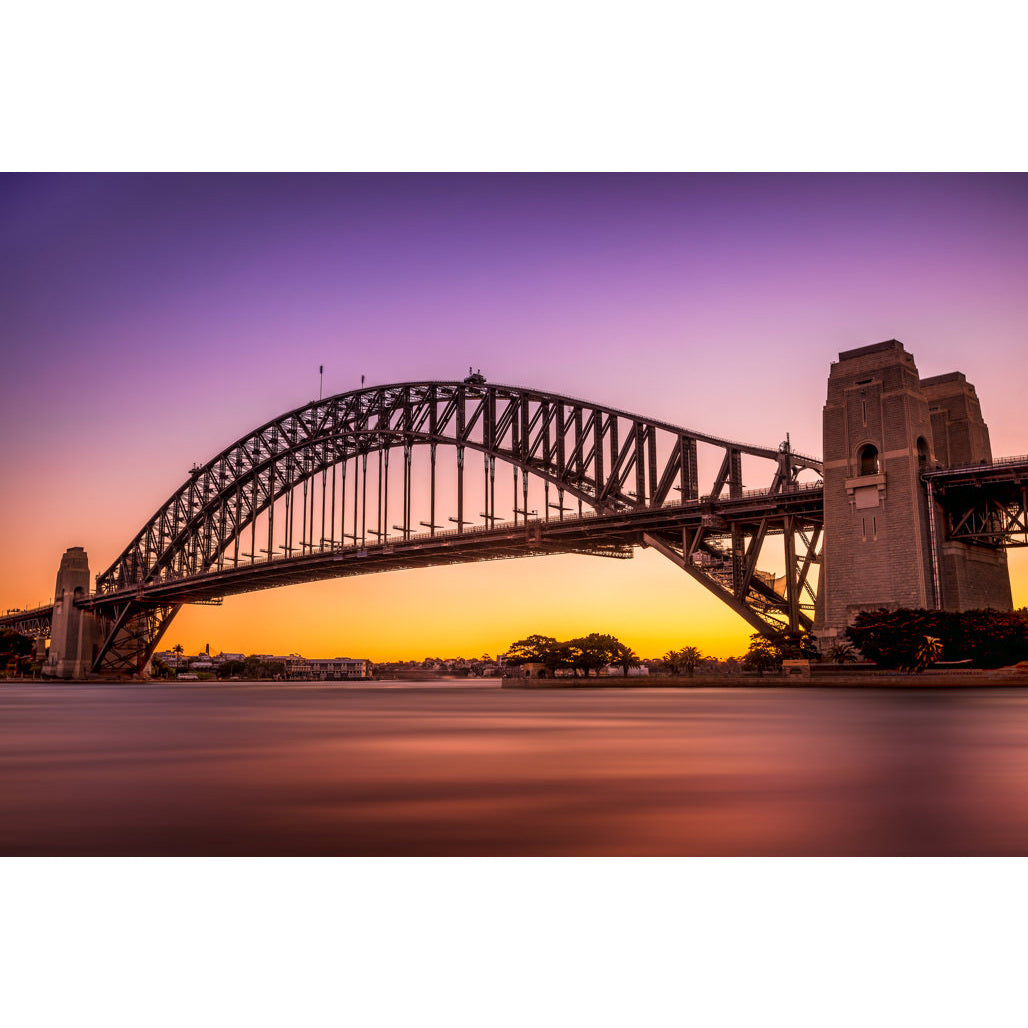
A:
[(1003, 469), (611, 535)]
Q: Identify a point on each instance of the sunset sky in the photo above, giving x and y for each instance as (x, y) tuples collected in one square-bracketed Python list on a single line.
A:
[(149, 321)]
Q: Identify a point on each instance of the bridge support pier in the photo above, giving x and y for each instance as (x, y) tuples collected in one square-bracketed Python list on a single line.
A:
[(884, 428), (75, 634)]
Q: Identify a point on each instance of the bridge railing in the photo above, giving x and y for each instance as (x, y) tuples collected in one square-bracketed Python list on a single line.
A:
[(27, 611), (997, 462)]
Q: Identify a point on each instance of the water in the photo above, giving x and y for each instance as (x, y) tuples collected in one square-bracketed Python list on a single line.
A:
[(447, 769)]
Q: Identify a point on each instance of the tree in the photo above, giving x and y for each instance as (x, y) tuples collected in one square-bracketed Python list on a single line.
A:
[(795, 645), (626, 658), (535, 649), (891, 638), (762, 655), (178, 651), (990, 638), (562, 656), (594, 651), (841, 653), (929, 650), (253, 667), (688, 658), (158, 668)]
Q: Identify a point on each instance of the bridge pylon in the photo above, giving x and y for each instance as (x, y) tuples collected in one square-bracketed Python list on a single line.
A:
[(75, 635), (884, 429)]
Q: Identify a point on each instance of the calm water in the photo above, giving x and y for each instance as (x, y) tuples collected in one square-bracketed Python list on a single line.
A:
[(422, 769)]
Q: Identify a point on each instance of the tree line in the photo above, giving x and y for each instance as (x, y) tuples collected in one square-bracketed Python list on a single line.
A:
[(912, 639), (251, 668), (585, 653), (588, 654)]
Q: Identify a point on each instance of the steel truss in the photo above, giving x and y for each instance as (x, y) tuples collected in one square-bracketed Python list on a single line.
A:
[(131, 631), (986, 504), (304, 478), (726, 564), (35, 623)]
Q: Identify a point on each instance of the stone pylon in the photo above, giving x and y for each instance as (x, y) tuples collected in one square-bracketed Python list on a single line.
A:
[(883, 427), (74, 633)]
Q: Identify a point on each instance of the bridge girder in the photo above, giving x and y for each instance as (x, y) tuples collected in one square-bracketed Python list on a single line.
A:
[(35, 623), (984, 504)]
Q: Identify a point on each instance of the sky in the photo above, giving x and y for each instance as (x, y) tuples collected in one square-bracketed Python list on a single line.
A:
[(148, 321)]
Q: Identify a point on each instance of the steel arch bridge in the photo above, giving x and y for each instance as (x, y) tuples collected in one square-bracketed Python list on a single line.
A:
[(380, 478)]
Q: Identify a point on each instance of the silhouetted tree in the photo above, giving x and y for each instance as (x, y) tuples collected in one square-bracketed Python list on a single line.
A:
[(535, 649), (672, 662), (626, 658), (928, 652), (762, 655), (841, 653), (891, 638), (594, 651), (687, 659), (793, 645)]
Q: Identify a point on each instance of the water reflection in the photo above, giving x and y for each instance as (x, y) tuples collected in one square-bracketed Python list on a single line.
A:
[(471, 769)]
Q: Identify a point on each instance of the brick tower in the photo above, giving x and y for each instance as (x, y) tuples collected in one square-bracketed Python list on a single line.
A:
[(970, 577), (74, 635), (883, 426)]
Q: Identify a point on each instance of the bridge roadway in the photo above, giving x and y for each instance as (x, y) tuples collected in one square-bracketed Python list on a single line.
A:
[(610, 535)]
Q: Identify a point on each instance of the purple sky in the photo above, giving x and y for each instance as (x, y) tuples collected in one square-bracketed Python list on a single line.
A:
[(147, 321)]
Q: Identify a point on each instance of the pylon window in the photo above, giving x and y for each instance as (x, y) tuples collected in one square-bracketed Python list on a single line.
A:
[(867, 460)]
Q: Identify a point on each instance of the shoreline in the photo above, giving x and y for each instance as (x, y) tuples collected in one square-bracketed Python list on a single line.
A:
[(858, 680), (948, 679)]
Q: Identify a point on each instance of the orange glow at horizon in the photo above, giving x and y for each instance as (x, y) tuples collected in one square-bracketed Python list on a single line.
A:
[(471, 609), (467, 610)]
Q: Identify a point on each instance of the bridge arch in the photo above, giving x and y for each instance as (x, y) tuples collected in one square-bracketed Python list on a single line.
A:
[(605, 459)]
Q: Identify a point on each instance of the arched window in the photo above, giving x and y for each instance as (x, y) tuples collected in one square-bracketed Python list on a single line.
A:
[(923, 454), (867, 460)]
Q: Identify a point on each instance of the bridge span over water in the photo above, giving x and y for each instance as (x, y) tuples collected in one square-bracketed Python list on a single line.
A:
[(428, 473)]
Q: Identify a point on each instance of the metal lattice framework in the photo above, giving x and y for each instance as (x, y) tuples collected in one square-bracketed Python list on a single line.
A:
[(36, 622), (307, 496), (984, 504)]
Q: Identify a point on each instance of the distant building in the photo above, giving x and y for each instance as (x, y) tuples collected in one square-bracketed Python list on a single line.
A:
[(327, 669), (529, 670)]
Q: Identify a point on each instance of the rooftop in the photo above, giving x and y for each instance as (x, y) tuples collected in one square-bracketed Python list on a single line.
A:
[(863, 351)]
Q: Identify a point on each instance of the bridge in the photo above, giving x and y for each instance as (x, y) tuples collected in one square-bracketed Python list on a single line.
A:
[(380, 479)]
